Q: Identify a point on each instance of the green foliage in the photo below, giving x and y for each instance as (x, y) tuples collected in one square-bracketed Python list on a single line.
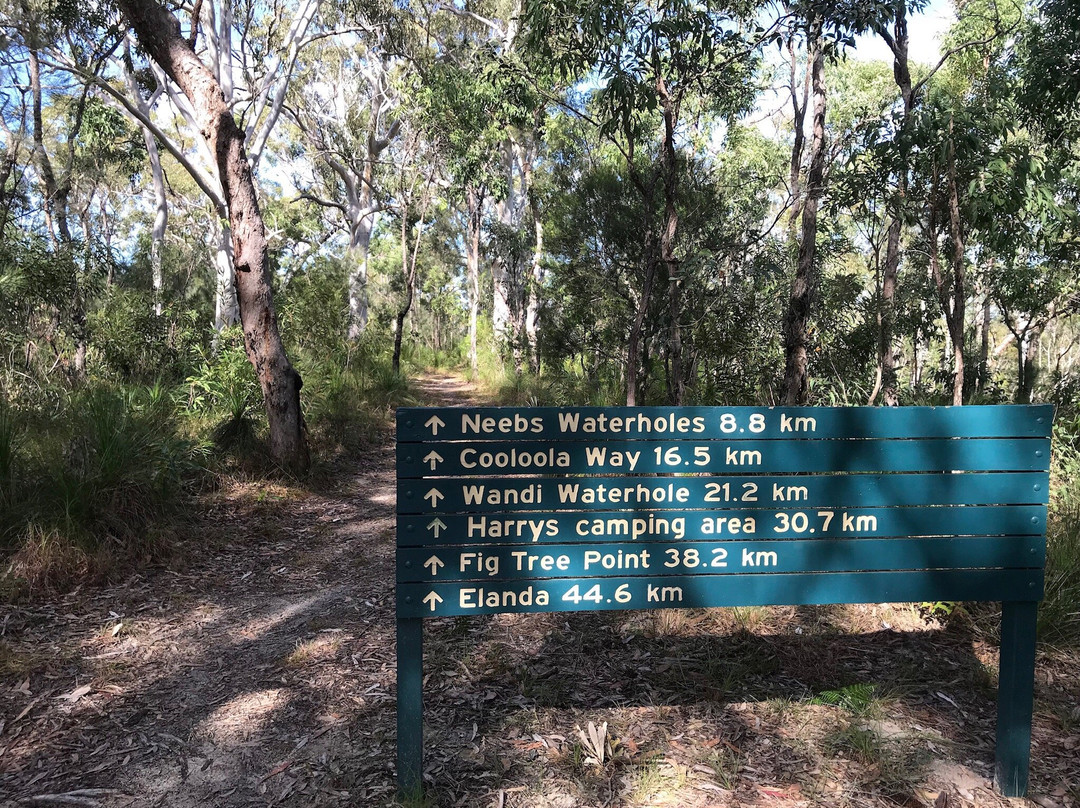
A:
[(133, 344), (224, 384), (859, 743), (1047, 60), (860, 699), (91, 487), (1059, 613), (634, 49)]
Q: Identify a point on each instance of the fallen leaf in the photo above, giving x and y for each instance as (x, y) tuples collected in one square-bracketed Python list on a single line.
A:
[(77, 693), (278, 769), (1046, 802)]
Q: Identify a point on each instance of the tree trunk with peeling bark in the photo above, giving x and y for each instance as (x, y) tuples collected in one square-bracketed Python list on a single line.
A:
[(887, 354), (797, 317), (669, 106), (474, 210), (159, 34)]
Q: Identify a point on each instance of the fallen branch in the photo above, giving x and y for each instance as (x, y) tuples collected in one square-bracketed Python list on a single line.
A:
[(87, 797)]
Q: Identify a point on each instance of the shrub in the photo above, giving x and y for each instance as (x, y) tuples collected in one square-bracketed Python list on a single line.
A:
[(91, 486), (1059, 613), (224, 385)]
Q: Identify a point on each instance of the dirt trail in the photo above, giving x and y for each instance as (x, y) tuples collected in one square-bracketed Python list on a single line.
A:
[(263, 674)]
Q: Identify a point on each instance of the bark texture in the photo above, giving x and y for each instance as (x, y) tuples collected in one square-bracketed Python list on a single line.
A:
[(887, 354), (797, 318), (474, 204), (159, 34), (161, 201), (677, 377)]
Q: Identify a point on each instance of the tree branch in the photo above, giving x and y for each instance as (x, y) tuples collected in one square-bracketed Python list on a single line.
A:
[(325, 203), (459, 12), (201, 179), (952, 52)]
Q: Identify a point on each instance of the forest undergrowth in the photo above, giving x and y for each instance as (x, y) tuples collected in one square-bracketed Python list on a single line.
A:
[(254, 666)]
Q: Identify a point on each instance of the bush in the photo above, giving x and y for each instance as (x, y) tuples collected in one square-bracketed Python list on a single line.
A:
[(224, 386), (1059, 614), (133, 344), (7, 452), (90, 488), (349, 396)]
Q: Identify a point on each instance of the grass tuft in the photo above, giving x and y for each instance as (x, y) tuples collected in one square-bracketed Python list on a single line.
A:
[(89, 489), (1059, 613)]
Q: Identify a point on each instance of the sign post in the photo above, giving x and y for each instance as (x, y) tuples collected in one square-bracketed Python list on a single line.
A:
[(587, 509)]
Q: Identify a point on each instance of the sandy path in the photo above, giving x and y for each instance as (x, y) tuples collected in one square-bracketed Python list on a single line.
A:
[(261, 674)]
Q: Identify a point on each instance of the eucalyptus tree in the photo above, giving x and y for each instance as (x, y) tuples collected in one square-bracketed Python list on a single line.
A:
[(1047, 60), (655, 68), (477, 100), (32, 30), (159, 34), (455, 112), (994, 23), (252, 56), (516, 234), (414, 194), (986, 184), (347, 115), (804, 201)]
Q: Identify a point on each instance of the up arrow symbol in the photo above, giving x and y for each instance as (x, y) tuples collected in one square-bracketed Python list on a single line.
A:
[(434, 563), (436, 526), (433, 458), (433, 423), (431, 599), (434, 495)]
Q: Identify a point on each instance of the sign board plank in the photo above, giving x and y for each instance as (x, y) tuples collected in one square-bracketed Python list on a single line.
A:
[(660, 493), (500, 563), (745, 524), (667, 423), (721, 457), (706, 591)]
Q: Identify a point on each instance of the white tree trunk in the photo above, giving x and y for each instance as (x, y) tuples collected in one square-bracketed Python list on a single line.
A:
[(161, 221), (358, 255), (474, 204), (532, 309), (226, 310)]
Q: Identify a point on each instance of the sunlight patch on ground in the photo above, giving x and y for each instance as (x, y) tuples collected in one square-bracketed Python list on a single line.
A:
[(317, 649), (264, 623), (244, 716)]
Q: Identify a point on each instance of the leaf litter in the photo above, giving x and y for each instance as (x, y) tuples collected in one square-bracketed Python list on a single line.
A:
[(261, 672)]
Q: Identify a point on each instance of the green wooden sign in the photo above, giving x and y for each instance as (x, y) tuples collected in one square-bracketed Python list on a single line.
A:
[(586, 509), (496, 564), (674, 423), (705, 591), (621, 456), (469, 495), (593, 527)]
